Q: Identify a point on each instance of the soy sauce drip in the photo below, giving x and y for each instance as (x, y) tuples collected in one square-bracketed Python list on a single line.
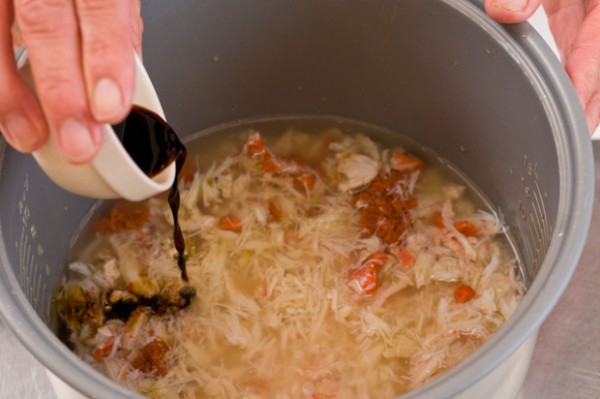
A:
[(154, 145), (174, 202)]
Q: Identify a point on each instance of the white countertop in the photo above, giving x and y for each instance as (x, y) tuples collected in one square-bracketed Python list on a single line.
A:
[(566, 363)]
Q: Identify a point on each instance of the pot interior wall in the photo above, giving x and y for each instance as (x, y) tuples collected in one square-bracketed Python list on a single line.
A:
[(419, 67), (415, 66), (38, 220)]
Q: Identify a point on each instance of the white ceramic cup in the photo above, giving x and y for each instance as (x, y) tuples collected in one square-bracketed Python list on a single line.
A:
[(112, 173)]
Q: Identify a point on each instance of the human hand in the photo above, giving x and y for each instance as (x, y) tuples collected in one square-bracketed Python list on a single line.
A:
[(575, 25), (81, 56)]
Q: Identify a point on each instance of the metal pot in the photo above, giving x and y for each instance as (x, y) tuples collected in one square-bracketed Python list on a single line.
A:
[(491, 99)]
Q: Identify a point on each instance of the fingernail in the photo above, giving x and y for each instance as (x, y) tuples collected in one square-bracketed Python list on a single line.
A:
[(108, 102), (76, 142), (22, 132), (512, 5)]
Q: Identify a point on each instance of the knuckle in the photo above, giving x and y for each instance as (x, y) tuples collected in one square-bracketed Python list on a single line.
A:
[(137, 29), (100, 47), (102, 32), (137, 24), (56, 91), (104, 54), (97, 15), (41, 17), (97, 8)]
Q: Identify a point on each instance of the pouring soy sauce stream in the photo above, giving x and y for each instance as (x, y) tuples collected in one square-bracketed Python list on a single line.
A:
[(154, 145)]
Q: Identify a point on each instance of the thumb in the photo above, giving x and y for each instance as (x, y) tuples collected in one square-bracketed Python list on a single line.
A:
[(511, 11)]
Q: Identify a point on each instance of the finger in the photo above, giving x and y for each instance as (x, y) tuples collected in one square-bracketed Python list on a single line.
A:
[(565, 18), (21, 120), (107, 56), (50, 32), (583, 61), (511, 11), (592, 112)]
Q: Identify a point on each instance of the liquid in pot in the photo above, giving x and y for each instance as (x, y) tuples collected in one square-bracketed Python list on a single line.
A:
[(332, 260)]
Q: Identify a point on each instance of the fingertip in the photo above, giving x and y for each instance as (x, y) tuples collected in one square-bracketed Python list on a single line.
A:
[(107, 55), (17, 132), (77, 142), (511, 11), (107, 101), (22, 133)]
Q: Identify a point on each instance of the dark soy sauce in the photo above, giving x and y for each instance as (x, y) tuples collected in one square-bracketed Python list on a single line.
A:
[(154, 145)]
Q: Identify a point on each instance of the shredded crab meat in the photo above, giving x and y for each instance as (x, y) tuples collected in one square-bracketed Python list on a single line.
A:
[(340, 278)]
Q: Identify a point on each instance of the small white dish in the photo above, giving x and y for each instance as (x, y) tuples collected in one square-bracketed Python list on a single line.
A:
[(112, 173)]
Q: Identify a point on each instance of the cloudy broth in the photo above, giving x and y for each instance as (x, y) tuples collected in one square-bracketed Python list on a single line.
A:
[(331, 259)]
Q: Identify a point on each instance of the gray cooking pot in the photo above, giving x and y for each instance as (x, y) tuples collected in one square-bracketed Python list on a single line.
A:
[(491, 99)]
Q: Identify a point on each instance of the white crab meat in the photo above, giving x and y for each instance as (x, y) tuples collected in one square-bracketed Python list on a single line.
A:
[(357, 170)]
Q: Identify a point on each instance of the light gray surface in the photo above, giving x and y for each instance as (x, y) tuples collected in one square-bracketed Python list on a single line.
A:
[(21, 376), (566, 363)]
